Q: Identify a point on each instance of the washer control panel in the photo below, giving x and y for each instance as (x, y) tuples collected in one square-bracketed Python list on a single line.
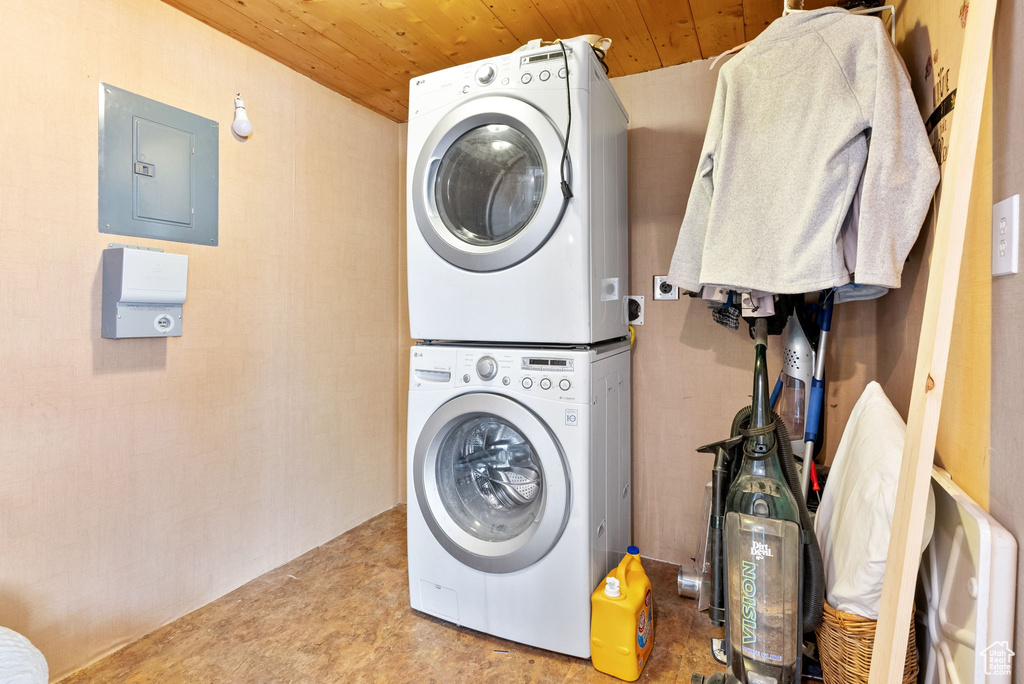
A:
[(548, 374)]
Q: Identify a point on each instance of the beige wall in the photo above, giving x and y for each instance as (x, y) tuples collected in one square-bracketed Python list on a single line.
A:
[(140, 479), (1007, 481)]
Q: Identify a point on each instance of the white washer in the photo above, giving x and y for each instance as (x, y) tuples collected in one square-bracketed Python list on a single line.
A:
[(495, 251), (519, 486)]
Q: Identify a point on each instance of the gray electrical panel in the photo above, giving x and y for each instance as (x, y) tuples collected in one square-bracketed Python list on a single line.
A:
[(157, 170)]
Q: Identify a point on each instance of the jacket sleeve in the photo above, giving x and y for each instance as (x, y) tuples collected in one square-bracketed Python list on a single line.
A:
[(901, 172), (684, 270)]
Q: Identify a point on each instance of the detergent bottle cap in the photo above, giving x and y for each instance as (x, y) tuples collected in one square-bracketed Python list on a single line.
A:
[(633, 551), (611, 589)]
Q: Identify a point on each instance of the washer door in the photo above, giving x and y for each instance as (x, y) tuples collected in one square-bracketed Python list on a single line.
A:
[(492, 482), (486, 189)]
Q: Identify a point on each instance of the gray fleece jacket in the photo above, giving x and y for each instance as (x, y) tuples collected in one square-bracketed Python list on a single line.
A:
[(816, 106)]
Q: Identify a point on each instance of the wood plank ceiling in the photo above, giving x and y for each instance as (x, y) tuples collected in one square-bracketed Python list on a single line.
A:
[(367, 50)]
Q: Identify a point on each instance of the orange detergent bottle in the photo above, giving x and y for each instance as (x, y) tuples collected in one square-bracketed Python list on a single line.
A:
[(622, 620)]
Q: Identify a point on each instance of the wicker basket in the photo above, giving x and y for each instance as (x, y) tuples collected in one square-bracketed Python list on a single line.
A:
[(845, 642)]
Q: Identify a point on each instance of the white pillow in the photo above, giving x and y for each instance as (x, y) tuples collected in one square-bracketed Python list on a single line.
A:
[(20, 661), (854, 520)]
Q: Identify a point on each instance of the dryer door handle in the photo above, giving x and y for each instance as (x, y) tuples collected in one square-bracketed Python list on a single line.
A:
[(428, 188)]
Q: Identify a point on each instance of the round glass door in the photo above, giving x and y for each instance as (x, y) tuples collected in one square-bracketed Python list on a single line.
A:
[(485, 188), (489, 478), (491, 482), (489, 184)]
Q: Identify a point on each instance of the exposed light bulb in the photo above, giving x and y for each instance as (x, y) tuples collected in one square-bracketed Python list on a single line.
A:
[(241, 125)]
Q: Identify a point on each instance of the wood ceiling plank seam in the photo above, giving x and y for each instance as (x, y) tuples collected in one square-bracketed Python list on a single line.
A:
[(415, 26), (356, 40), (392, 33), (719, 24), (622, 21), (524, 22), (458, 21), (342, 83), (565, 18), (671, 25), (757, 14)]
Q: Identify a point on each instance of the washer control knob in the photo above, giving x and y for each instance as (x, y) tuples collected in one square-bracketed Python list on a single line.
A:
[(545, 383), (564, 384), (545, 75), (562, 72), (486, 74), (487, 368), (527, 383), (505, 381), (527, 77)]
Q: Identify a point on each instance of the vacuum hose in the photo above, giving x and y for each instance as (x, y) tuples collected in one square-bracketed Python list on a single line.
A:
[(814, 569)]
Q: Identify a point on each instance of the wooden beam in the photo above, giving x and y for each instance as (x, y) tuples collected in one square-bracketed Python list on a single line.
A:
[(904, 555)]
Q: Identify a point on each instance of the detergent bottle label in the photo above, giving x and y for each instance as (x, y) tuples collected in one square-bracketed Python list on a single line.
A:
[(645, 623)]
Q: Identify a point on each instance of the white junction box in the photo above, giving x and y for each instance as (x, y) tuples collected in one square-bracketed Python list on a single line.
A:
[(143, 291), (1005, 231)]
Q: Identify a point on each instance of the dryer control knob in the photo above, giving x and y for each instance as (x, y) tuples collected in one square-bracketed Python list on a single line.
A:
[(486, 367), (527, 77), (545, 383), (486, 74), (545, 75), (527, 383), (564, 384)]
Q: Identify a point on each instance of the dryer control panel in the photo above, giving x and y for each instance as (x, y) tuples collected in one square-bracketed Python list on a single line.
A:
[(543, 68)]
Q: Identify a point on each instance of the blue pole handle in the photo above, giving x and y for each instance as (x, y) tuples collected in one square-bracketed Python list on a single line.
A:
[(776, 391), (814, 410)]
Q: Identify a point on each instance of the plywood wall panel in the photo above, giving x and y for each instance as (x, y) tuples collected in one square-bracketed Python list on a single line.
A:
[(690, 375), (139, 479)]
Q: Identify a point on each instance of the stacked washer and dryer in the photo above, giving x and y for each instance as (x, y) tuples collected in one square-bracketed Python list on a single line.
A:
[(519, 400)]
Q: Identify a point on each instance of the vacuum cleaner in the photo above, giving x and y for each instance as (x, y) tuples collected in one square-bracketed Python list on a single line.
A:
[(767, 576)]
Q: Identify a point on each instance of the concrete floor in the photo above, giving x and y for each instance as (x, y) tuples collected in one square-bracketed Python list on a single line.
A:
[(340, 613)]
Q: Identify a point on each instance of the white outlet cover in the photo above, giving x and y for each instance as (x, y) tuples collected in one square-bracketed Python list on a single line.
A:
[(1005, 232)]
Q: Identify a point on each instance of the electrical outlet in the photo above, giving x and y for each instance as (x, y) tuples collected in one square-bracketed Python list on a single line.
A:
[(664, 289), (1005, 230), (635, 310)]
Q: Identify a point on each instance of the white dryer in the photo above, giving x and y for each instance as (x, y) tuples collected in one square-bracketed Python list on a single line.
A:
[(519, 487), (496, 253)]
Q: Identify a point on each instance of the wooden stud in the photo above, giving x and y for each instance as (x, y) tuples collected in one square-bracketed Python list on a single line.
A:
[(933, 352)]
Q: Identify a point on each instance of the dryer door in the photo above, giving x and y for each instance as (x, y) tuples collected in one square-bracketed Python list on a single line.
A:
[(486, 187), (492, 482)]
